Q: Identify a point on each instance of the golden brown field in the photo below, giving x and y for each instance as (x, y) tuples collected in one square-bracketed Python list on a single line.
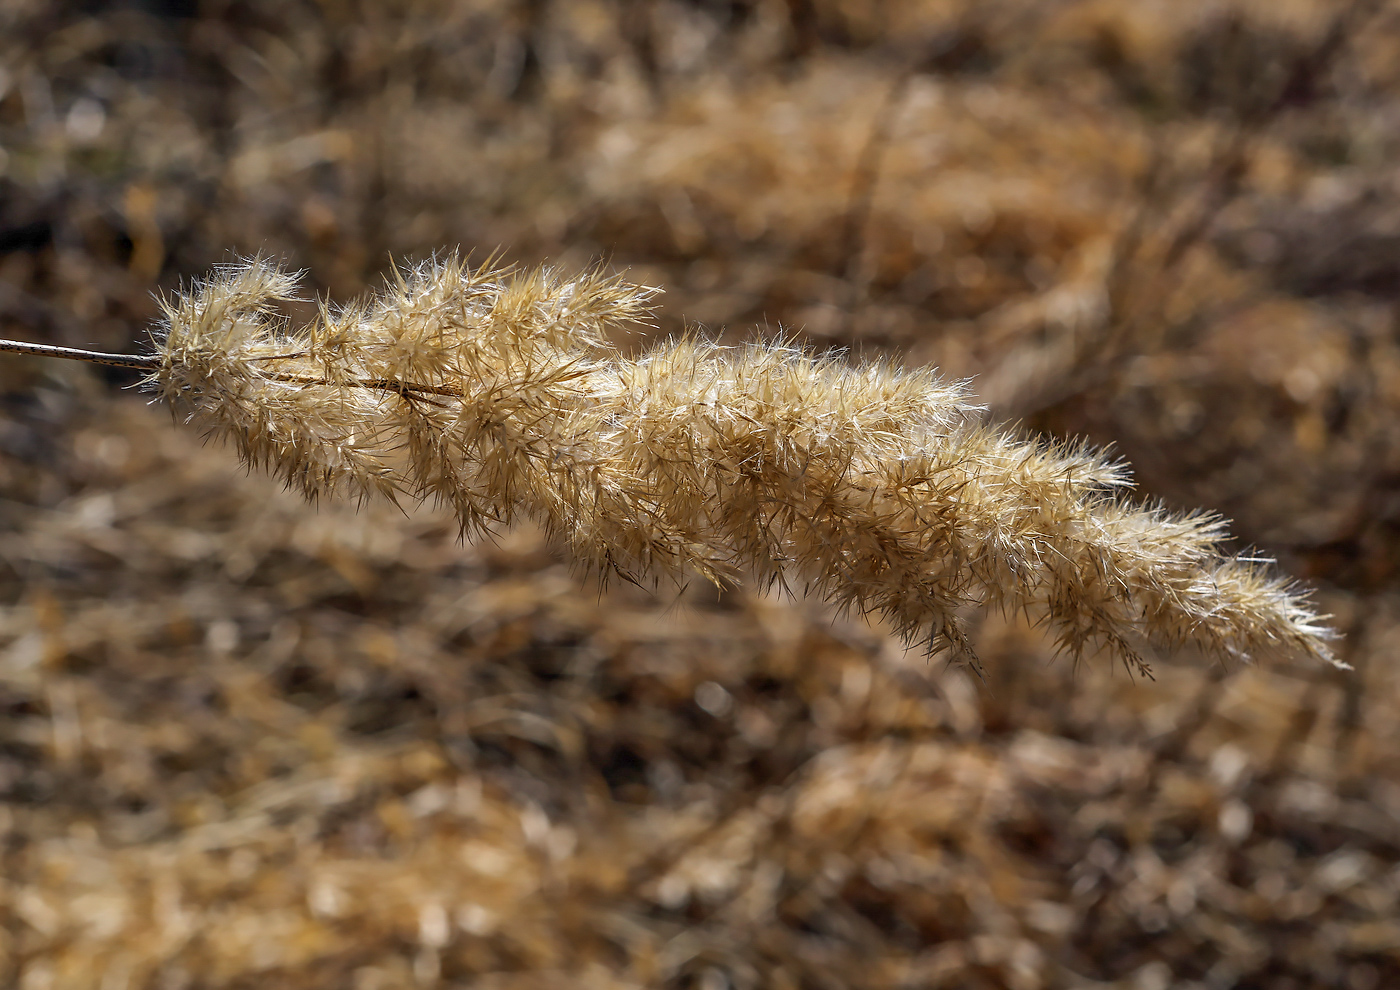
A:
[(247, 742)]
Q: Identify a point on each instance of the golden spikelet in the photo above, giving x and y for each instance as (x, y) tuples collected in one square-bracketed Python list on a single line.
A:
[(876, 487)]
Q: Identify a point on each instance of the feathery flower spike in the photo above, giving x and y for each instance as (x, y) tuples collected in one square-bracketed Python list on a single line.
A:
[(497, 393)]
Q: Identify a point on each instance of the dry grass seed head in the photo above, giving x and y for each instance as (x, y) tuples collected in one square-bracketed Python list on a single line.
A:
[(498, 393)]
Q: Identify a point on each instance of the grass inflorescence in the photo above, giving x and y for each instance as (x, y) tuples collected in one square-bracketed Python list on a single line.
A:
[(879, 488)]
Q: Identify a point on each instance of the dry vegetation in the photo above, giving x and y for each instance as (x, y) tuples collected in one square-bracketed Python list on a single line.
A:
[(244, 742)]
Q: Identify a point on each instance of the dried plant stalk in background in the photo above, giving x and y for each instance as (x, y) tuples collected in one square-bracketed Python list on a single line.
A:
[(878, 488)]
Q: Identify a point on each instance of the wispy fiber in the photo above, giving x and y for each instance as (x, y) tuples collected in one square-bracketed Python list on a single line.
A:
[(876, 487)]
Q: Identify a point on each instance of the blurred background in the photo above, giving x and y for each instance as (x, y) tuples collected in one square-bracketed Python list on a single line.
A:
[(246, 742)]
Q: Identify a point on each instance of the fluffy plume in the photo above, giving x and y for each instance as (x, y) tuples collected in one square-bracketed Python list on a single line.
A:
[(878, 488)]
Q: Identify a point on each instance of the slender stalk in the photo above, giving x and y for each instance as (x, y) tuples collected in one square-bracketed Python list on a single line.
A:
[(150, 362), (387, 384), (140, 362)]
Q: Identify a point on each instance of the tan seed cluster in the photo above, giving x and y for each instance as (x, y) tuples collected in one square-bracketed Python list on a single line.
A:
[(878, 488)]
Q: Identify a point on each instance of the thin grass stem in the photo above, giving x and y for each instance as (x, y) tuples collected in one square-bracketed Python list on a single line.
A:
[(150, 362), (139, 362)]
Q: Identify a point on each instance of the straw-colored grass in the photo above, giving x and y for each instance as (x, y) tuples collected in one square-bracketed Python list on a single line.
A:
[(876, 487)]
